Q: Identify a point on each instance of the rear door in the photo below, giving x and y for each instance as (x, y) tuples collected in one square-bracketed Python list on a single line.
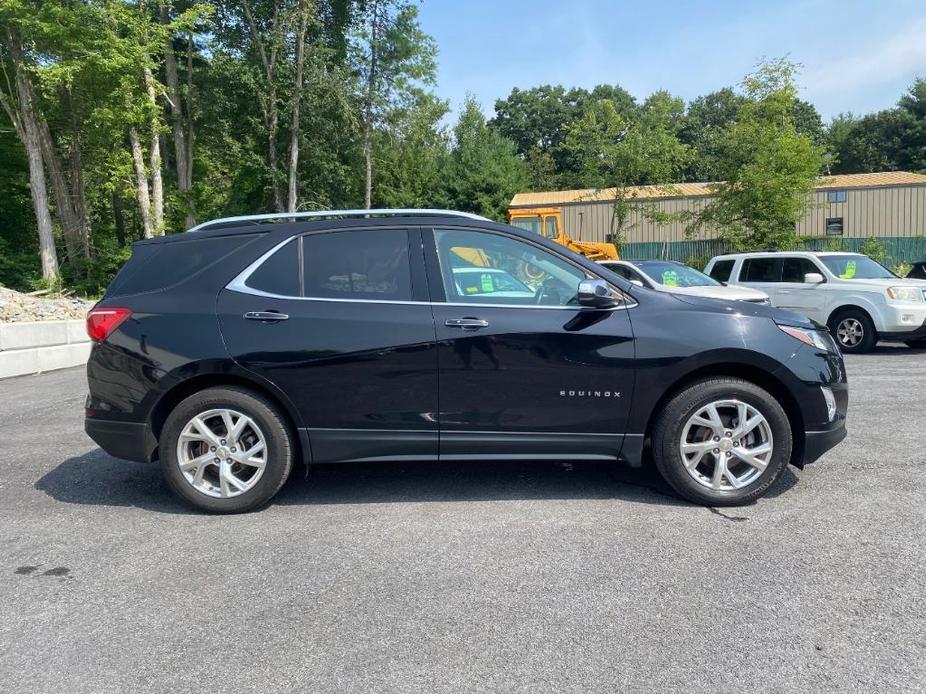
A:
[(340, 321), (524, 373), (762, 273)]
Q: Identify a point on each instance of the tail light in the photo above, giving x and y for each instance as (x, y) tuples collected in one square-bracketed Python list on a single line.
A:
[(102, 321)]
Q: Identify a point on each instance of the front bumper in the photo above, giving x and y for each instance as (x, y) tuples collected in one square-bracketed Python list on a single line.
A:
[(127, 440), (917, 333), (816, 443)]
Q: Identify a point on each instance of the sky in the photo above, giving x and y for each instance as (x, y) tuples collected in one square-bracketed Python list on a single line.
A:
[(856, 56)]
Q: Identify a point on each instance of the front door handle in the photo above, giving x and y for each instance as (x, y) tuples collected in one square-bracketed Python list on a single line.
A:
[(267, 316), (466, 323)]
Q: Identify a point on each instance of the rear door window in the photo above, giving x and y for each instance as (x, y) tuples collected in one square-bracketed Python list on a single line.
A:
[(357, 264), (761, 270)]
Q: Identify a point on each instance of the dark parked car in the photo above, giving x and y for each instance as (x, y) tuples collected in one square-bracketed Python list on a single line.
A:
[(917, 271), (241, 347)]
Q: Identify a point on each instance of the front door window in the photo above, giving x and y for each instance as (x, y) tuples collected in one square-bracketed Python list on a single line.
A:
[(486, 268)]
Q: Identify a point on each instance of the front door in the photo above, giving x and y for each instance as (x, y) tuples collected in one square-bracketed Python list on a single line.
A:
[(524, 371), (340, 322), (793, 294)]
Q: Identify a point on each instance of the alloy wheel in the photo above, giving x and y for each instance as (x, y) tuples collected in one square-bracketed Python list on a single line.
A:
[(222, 453), (850, 332), (726, 445)]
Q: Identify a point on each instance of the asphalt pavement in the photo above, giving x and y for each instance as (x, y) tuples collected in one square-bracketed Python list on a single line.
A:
[(514, 577)]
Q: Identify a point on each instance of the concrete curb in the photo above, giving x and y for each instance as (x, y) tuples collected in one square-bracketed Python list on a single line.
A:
[(29, 348)]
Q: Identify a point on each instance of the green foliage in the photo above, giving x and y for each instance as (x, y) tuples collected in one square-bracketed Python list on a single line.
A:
[(769, 167), (482, 171), (86, 60), (698, 262), (875, 249), (889, 140)]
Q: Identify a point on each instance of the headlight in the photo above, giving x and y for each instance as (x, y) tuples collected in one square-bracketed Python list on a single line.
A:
[(812, 338), (904, 295)]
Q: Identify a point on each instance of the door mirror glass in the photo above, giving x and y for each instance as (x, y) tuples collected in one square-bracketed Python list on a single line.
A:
[(597, 294), (813, 278)]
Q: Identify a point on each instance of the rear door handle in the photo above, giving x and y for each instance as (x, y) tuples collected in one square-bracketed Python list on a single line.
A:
[(268, 316), (466, 323)]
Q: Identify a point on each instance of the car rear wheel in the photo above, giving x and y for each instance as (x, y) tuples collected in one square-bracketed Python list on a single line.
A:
[(853, 331), (226, 450), (722, 442)]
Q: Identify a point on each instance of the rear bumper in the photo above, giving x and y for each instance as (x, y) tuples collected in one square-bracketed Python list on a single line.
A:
[(127, 440), (816, 443)]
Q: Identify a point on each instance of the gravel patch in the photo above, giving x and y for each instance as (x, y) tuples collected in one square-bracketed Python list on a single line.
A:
[(16, 307)]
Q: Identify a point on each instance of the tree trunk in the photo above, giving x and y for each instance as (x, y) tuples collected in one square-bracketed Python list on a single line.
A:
[(141, 183), (119, 219), (292, 200), (368, 106), (67, 215), (23, 116), (190, 139), (157, 184), (270, 107), (181, 143)]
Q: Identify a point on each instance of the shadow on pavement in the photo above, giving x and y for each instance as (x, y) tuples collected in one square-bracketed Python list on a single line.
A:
[(96, 478)]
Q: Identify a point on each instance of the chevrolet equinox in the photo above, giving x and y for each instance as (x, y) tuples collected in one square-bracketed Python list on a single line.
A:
[(232, 351)]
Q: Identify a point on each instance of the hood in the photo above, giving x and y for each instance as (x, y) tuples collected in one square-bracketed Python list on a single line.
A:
[(747, 308), (730, 292), (882, 284)]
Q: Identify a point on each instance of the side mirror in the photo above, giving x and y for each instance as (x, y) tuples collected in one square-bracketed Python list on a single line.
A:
[(638, 283), (597, 294), (813, 278)]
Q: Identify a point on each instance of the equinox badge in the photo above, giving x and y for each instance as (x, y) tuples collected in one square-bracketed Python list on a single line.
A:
[(589, 394)]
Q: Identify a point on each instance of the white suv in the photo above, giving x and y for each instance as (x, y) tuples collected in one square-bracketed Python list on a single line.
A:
[(857, 298)]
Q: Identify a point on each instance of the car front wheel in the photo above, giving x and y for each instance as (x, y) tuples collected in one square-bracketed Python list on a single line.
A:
[(226, 450), (722, 442), (854, 332)]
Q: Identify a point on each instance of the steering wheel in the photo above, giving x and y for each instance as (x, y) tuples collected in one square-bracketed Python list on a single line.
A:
[(547, 290)]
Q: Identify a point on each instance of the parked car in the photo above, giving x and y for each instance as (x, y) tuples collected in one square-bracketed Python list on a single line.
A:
[(669, 276), (859, 300), (917, 271), (237, 349)]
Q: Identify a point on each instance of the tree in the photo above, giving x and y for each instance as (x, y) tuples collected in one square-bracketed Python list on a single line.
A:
[(706, 120), (769, 167), (393, 56), (482, 171), (19, 103), (616, 152), (538, 120)]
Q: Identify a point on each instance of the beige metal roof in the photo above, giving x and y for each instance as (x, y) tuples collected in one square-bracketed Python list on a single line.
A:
[(686, 190)]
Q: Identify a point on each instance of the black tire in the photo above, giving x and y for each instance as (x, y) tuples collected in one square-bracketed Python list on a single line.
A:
[(278, 441), (869, 337), (670, 423), (917, 344)]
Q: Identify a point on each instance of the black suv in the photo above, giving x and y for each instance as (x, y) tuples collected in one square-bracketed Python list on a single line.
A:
[(236, 349)]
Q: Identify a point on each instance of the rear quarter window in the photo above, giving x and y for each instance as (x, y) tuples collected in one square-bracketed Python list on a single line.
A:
[(721, 270), (161, 265)]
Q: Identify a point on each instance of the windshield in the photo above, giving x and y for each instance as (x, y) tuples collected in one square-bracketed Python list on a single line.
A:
[(675, 275), (855, 267), (531, 224)]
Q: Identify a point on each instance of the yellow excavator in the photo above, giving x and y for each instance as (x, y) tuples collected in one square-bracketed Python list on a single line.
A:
[(548, 222)]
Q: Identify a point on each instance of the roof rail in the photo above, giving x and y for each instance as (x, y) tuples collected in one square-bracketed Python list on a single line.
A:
[(322, 214)]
